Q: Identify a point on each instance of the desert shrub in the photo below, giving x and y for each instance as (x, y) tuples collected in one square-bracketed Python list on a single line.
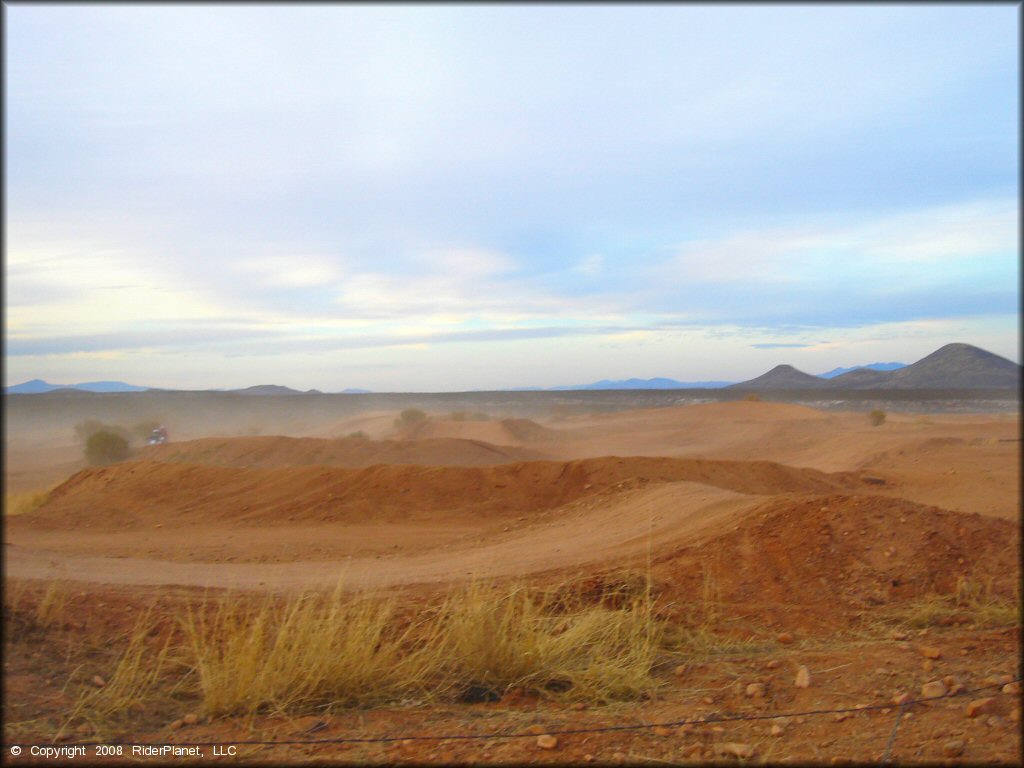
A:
[(410, 417), (753, 397), (86, 429), (360, 435), (106, 448), (876, 418)]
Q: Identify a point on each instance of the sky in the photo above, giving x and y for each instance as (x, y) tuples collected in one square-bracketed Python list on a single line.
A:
[(448, 198)]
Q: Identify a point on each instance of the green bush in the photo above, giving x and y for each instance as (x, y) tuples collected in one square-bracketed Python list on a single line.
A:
[(876, 418), (106, 448), (410, 417)]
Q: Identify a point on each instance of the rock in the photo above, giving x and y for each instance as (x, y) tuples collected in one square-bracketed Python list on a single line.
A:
[(755, 691), (984, 706), (588, 758), (784, 638), (98, 681), (190, 719), (175, 725), (679, 671), (776, 730), (1014, 715), (1011, 688), (902, 698), (661, 730), (772, 664), (803, 677), (539, 730), (840, 716), (934, 689), (547, 741), (929, 652), (994, 721), (898, 635), (707, 700), (927, 665), (579, 706), (735, 749), (953, 748)]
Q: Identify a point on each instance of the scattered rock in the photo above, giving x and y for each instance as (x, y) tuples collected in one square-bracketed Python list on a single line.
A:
[(994, 721), (785, 638), (735, 749), (840, 716), (588, 758), (984, 706), (190, 719), (176, 725), (579, 706), (934, 689), (927, 665), (537, 729), (679, 671), (661, 730), (803, 677), (98, 681), (547, 741), (953, 748), (902, 698), (707, 700), (1014, 715), (772, 664), (929, 652), (755, 691), (776, 730)]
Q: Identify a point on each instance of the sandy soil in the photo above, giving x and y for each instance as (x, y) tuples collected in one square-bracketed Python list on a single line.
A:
[(805, 519)]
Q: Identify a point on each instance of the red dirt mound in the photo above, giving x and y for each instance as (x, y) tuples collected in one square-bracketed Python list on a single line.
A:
[(148, 490), (837, 554), (274, 451)]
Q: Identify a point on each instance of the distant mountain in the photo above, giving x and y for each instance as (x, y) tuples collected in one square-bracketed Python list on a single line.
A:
[(356, 392), (656, 383), (266, 389), (783, 377), (37, 386), (954, 366), (871, 366)]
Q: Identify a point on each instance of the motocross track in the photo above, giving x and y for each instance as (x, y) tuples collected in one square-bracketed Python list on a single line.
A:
[(440, 502)]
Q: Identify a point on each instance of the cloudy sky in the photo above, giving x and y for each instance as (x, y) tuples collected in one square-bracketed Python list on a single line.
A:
[(446, 198)]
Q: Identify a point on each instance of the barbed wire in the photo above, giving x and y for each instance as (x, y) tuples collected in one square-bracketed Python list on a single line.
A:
[(709, 719)]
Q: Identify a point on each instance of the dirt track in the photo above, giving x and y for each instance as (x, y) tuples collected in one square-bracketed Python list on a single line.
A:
[(444, 504)]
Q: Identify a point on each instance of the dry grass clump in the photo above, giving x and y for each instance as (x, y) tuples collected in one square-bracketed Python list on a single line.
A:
[(288, 655), (973, 602), (333, 650), (876, 418)]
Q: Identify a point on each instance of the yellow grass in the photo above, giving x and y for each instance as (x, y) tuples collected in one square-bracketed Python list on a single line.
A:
[(22, 503), (322, 651), (974, 601)]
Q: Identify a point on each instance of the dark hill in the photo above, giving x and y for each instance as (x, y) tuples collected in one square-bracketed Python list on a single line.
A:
[(783, 377), (956, 366)]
